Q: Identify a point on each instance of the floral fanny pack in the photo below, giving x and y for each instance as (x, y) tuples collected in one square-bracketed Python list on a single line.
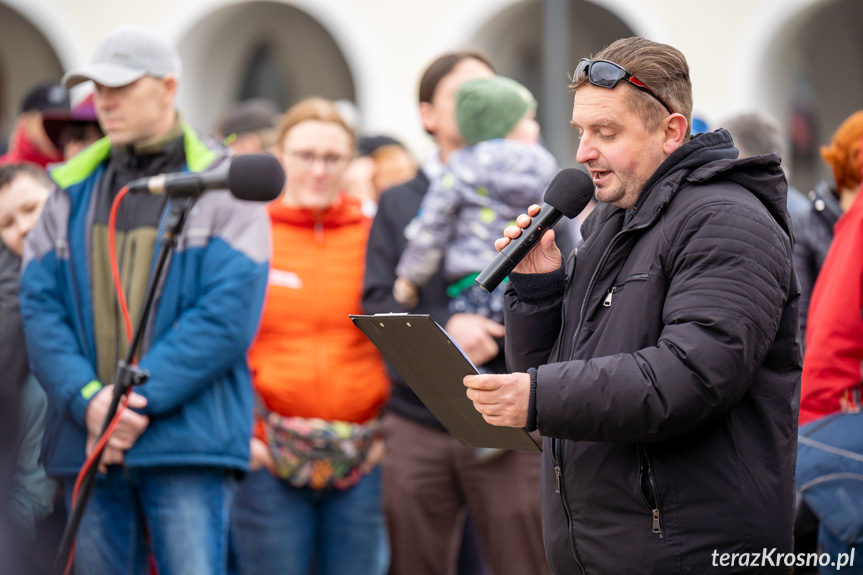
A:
[(317, 453)]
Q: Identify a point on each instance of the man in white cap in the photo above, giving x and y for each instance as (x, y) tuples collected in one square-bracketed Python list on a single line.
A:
[(169, 470)]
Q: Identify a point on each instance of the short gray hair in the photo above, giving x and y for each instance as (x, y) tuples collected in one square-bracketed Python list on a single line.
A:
[(755, 134)]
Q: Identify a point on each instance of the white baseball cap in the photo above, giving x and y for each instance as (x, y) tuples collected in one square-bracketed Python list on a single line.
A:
[(124, 55)]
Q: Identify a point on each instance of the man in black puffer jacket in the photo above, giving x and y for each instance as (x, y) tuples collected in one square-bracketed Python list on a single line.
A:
[(661, 363)]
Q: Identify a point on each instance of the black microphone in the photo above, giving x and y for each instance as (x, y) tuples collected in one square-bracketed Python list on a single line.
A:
[(251, 177), (568, 193)]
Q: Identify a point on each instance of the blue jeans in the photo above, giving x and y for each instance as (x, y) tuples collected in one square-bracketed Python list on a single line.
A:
[(178, 513), (832, 546), (278, 528)]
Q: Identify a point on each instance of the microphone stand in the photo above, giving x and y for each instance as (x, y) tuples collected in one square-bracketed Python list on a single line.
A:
[(127, 374)]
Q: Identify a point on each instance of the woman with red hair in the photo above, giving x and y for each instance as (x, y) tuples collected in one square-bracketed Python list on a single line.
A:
[(832, 378), (813, 230)]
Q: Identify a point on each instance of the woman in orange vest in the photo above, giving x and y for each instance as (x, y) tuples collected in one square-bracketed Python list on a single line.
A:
[(314, 495)]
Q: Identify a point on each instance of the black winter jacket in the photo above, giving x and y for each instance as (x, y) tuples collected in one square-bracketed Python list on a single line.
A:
[(813, 234), (668, 374)]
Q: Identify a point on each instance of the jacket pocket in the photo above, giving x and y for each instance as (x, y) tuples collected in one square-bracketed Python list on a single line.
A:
[(648, 489), (617, 288)]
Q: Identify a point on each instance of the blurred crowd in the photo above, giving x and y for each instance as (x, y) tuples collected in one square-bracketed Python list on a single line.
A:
[(271, 437)]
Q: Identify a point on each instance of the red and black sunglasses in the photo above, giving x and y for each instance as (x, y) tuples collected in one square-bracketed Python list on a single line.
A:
[(607, 74)]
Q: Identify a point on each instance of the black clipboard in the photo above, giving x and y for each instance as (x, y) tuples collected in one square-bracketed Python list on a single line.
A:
[(434, 366)]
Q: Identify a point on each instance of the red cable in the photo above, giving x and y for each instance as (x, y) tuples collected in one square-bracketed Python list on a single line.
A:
[(100, 446), (124, 310), (115, 268), (91, 460)]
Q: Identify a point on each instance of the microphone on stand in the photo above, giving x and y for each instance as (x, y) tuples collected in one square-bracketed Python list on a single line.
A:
[(251, 177), (567, 195)]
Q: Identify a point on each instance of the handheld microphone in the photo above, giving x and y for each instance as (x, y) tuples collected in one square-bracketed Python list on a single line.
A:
[(251, 177), (567, 195)]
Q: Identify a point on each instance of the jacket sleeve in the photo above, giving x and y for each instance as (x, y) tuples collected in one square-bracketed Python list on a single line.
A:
[(532, 307), (807, 271), (12, 350), (214, 333), (423, 255), (728, 275), (382, 256), (32, 496), (56, 357)]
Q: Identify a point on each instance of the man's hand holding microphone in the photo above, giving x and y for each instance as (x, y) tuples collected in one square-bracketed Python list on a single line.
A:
[(526, 248)]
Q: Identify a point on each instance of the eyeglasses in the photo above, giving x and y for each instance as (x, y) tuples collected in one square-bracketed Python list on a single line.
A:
[(606, 74), (307, 159)]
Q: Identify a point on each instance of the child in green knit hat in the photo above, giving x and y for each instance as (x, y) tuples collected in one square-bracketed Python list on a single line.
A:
[(494, 108), (486, 185)]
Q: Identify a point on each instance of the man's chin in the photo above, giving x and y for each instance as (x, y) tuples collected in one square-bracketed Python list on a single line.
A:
[(119, 140), (607, 194)]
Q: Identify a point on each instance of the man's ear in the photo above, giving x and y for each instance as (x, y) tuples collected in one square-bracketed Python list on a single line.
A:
[(675, 132), (170, 85), (427, 117)]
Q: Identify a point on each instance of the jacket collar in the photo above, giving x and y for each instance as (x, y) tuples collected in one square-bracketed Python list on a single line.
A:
[(708, 156), (345, 210), (199, 156), (694, 156), (149, 147)]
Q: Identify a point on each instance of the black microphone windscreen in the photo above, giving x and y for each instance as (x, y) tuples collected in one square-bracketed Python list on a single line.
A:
[(569, 192), (256, 177)]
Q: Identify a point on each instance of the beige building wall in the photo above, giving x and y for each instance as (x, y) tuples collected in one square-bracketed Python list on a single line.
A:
[(737, 49)]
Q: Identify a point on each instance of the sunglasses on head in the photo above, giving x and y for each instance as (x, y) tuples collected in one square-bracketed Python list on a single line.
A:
[(606, 74)]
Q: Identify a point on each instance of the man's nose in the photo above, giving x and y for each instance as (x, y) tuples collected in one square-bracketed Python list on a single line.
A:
[(586, 151)]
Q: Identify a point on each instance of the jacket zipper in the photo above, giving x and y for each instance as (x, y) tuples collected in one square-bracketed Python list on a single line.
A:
[(321, 304), (608, 296), (554, 448), (561, 489), (654, 508), (558, 463), (595, 275), (614, 289)]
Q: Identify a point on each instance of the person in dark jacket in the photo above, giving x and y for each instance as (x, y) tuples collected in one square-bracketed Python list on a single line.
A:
[(661, 362), (430, 480), (29, 497)]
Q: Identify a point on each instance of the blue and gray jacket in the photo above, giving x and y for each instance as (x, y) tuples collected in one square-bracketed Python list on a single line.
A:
[(205, 316)]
